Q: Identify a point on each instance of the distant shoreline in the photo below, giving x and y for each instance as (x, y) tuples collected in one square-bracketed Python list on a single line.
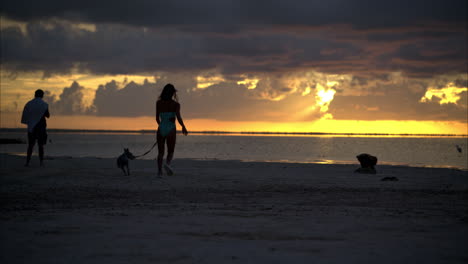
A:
[(147, 131)]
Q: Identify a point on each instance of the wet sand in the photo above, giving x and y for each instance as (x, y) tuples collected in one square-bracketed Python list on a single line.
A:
[(84, 210)]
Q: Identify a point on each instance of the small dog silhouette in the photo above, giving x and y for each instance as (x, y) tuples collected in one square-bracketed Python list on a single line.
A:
[(122, 161)]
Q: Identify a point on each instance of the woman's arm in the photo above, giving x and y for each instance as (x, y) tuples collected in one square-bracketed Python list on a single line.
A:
[(181, 122), (157, 113)]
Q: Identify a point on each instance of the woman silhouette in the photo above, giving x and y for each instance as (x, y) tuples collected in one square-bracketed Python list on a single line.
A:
[(167, 110)]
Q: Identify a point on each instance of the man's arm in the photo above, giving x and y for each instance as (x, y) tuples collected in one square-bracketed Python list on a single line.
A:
[(46, 114)]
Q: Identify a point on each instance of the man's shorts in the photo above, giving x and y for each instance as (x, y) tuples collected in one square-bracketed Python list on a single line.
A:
[(39, 134)]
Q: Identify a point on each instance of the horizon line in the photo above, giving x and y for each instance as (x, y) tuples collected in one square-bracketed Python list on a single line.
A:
[(147, 131)]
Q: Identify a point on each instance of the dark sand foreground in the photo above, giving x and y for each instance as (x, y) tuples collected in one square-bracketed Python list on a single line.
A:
[(83, 210)]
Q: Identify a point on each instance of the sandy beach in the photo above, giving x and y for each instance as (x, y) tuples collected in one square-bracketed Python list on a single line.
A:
[(84, 210)]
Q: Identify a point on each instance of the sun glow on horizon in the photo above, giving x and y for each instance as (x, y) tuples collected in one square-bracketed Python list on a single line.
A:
[(11, 120)]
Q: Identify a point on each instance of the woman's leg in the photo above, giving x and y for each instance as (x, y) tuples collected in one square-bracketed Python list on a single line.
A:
[(161, 141), (171, 142)]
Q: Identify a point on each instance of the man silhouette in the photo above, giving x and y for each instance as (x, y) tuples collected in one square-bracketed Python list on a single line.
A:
[(34, 114)]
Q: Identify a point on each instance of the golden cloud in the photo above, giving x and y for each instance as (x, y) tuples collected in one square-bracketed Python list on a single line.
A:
[(448, 94)]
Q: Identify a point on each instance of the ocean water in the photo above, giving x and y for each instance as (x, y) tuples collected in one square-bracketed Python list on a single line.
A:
[(408, 151)]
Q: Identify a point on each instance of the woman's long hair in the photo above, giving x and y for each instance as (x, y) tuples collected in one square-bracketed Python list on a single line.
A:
[(169, 92)]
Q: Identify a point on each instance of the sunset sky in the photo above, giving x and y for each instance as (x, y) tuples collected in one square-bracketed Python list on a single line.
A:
[(290, 66)]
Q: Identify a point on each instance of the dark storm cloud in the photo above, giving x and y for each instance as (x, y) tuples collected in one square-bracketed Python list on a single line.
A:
[(337, 36), (40, 51), (57, 47), (236, 14)]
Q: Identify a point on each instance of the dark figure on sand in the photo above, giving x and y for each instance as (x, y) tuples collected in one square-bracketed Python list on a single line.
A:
[(34, 116), (167, 110)]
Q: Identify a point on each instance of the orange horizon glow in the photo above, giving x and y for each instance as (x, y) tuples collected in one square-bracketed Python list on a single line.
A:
[(201, 125)]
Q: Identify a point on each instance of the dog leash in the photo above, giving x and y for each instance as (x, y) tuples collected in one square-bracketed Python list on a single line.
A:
[(155, 143)]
